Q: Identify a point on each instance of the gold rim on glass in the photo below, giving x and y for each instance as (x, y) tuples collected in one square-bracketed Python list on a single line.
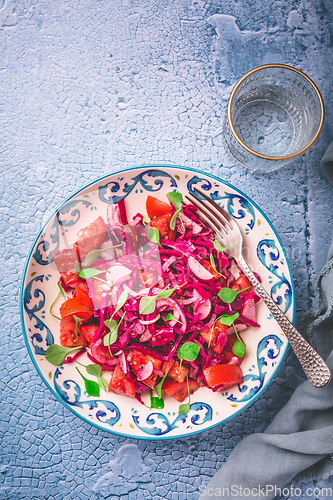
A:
[(306, 78)]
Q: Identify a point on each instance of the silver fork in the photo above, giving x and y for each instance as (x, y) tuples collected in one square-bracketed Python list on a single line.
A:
[(229, 235)]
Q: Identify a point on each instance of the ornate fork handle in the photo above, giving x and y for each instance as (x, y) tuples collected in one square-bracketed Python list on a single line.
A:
[(314, 366)]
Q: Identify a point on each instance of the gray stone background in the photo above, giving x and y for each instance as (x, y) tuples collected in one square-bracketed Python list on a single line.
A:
[(90, 87)]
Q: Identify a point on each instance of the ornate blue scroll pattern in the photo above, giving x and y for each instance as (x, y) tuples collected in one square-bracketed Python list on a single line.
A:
[(269, 255), (67, 216), (149, 180), (237, 206), (158, 424), (269, 349), (34, 302), (69, 391)]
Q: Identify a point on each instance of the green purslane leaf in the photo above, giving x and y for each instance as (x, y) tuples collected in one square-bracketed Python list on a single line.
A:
[(94, 369), (239, 349), (176, 199), (189, 351), (92, 387), (77, 267), (103, 383), (156, 403), (94, 254), (111, 337), (228, 295), (228, 319), (121, 301), (184, 409), (145, 220), (218, 247), (148, 302), (153, 235), (56, 354), (89, 272), (173, 219)]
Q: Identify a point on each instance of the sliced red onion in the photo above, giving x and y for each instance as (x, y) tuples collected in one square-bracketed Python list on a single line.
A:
[(168, 263), (150, 321)]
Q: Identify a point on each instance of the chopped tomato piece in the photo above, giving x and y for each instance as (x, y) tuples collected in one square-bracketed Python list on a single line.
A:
[(71, 279), (241, 283), (179, 391), (176, 371), (156, 208), (216, 276), (68, 333), (121, 383), (65, 260), (223, 376), (74, 307), (138, 360), (88, 331), (91, 237), (163, 225), (212, 335), (148, 278), (150, 381), (82, 293)]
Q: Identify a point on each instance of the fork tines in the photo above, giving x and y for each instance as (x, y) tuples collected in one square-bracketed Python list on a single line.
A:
[(210, 212)]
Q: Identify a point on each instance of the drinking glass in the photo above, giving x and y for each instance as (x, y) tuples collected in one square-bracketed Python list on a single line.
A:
[(274, 114)]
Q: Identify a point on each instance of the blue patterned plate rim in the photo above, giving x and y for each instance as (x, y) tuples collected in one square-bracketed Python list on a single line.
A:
[(70, 408)]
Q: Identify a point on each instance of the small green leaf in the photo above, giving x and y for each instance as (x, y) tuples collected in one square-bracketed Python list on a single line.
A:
[(147, 304), (176, 199), (89, 272), (103, 383), (121, 301), (94, 369), (228, 319), (77, 267), (111, 337), (228, 295), (158, 387), (173, 219), (56, 354), (239, 349), (153, 235), (145, 220), (184, 409), (91, 386), (165, 294), (157, 403), (170, 317), (189, 351), (218, 247), (94, 254)]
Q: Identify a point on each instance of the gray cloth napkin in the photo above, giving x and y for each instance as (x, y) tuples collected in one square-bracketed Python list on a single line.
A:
[(298, 444)]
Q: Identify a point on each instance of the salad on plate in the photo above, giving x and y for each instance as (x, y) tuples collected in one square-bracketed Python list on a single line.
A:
[(155, 303)]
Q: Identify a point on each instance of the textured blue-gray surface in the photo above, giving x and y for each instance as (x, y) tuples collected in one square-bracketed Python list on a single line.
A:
[(89, 87)]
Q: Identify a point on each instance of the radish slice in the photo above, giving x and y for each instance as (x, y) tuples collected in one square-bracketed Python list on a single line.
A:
[(116, 272), (248, 309), (108, 254), (239, 328), (146, 371), (205, 309), (199, 271)]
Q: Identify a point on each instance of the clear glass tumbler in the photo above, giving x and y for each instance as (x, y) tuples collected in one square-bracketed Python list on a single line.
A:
[(275, 112)]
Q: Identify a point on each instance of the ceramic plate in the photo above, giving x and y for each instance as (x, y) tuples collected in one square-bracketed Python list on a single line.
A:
[(266, 346)]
